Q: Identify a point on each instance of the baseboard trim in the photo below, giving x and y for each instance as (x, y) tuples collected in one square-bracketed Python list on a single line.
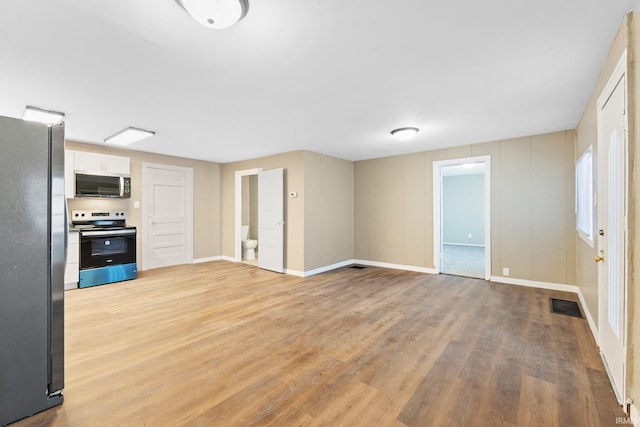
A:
[(361, 262), (535, 284), (587, 313), (327, 268), (395, 266), (294, 272), (208, 259)]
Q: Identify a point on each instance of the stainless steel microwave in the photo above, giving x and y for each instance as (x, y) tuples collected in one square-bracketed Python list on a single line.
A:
[(102, 185)]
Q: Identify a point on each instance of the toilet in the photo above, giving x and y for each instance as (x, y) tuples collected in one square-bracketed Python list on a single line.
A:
[(248, 245)]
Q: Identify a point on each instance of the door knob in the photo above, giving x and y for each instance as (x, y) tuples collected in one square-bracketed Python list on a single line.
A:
[(599, 258)]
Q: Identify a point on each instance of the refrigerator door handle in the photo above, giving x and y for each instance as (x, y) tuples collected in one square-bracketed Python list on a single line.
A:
[(66, 231)]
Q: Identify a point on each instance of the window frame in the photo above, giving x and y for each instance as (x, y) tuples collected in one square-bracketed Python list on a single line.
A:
[(584, 172)]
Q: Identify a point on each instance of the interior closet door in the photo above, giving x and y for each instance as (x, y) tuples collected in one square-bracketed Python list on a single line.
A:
[(168, 207)]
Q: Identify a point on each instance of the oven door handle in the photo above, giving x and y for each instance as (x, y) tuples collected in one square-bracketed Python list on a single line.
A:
[(98, 233)]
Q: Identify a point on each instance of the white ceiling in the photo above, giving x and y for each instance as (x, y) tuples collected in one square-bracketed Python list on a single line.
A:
[(331, 76)]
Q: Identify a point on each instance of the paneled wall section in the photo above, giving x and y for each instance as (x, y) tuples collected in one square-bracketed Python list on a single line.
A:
[(532, 188)]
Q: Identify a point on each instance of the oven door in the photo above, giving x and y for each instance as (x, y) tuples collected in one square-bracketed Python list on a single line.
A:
[(104, 248)]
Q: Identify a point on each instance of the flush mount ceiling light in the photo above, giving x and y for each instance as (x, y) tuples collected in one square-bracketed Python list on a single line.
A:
[(129, 136), (48, 117), (216, 13), (404, 134)]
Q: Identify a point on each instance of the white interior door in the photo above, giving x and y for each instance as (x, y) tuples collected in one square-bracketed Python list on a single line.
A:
[(612, 217), (271, 220), (168, 216)]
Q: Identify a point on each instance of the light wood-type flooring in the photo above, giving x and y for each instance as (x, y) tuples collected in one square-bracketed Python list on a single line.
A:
[(226, 344)]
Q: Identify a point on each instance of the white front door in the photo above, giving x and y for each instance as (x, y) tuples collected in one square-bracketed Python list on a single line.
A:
[(271, 220), (167, 216), (612, 216)]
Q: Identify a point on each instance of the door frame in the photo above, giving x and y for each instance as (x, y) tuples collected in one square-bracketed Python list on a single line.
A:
[(238, 210), (619, 74), (437, 209), (145, 208)]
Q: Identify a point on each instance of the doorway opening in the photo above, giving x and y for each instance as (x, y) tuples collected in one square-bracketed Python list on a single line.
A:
[(462, 217), (247, 216), (269, 224)]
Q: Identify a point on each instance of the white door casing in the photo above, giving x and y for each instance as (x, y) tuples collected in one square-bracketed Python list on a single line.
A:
[(167, 215), (271, 220), (612, 226), (437, 209)]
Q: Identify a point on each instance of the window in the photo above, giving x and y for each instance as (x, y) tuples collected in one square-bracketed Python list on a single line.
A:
[(584, 196)]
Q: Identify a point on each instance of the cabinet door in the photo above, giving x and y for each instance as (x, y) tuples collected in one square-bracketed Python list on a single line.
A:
[(117, 164), (91, 162), (94, 162)]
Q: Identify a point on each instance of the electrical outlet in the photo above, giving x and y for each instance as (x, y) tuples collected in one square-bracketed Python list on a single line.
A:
[(470, 235), (505, 271)]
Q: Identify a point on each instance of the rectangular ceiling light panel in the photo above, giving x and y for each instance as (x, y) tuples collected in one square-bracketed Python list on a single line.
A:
[(129, 136), (48, 117)]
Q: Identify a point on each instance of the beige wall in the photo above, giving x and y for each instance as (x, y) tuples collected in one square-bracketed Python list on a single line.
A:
[(328, 210), (293, 164), (392, 209), (628, 37), (206, 196), (246, 201), (587, 135), (531, 203)]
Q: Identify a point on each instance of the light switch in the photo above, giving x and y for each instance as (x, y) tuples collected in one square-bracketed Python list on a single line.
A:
[(136, 204)]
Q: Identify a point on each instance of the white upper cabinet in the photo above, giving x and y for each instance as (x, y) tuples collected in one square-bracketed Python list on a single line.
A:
[(94, 162)]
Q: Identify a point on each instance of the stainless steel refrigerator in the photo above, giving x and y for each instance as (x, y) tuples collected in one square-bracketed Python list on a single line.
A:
[(33, 237)]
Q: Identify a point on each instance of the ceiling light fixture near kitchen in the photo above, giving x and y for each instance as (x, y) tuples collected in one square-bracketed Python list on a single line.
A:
[(404, 134), (216, 14), (48, 117), (129, 136)]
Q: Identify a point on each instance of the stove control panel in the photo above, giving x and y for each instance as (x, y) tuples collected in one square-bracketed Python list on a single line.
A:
[(82, 215)]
